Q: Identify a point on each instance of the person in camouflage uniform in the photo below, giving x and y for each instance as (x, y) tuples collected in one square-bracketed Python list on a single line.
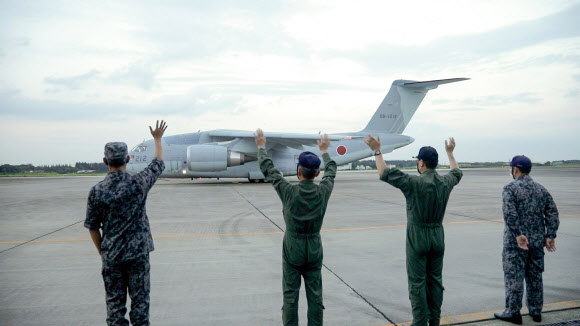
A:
[(304, 205), (531, 222), (117, 206), (427, 196)]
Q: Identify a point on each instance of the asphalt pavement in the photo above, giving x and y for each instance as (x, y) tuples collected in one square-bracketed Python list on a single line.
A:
[(218, 252)]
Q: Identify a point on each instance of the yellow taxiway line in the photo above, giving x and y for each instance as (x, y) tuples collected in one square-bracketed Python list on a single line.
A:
[(488, 315)]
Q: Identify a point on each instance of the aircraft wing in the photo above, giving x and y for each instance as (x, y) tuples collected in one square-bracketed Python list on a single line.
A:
[(285, 139)]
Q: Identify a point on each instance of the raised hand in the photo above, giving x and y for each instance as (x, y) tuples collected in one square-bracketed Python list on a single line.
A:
[(260, 138), (159, 129), (323, 143), (451, 146), (374, 144)]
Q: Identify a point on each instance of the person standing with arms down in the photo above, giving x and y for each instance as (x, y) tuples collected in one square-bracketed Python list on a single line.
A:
[(304, 205), (117, 206), (531, 222), (427, 196)]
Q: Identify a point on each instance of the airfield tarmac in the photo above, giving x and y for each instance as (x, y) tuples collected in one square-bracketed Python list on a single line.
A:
[(218, 252)]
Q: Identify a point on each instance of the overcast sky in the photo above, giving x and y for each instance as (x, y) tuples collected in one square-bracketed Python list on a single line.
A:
[(77, 74)]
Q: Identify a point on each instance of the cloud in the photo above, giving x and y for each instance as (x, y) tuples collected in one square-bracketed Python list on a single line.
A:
[(462, 109), (73, 82), (495, 100), (238, 65), (139, 74), (15, 42), (194, 103), (203, 31), (468, 48), (573, 93)]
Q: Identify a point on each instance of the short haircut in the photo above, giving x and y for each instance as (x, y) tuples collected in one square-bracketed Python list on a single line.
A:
[(117, 163), (430, 164), (522, 170), (309, 173)]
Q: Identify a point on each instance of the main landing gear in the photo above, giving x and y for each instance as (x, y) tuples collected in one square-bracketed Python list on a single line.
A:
[(257, 180)]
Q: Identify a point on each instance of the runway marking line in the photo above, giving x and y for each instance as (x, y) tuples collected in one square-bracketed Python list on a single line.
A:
[(488, 315), (268, 233)]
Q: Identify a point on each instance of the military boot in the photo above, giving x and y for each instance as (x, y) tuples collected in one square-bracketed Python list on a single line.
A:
[(515, 318)]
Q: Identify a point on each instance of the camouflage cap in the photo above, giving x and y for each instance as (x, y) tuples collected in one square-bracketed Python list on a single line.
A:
[(309, 160), (115, 151)]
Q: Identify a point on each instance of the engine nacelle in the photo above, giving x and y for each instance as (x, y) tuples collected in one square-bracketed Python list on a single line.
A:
[(212, 158)]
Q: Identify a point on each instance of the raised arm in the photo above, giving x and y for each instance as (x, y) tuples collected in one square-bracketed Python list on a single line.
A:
[(375, 145), (449, 149), (394, 177), (267, 167), (157, 134), (327, 182)]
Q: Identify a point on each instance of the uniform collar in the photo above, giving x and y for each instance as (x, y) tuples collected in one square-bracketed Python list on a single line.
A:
[(525, 177), (116, 174)]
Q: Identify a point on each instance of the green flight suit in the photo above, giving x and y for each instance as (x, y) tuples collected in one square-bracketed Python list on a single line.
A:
[(427, 196), (304, 205)]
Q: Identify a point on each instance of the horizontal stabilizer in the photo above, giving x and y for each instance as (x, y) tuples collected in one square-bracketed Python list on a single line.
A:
[(432, 84)]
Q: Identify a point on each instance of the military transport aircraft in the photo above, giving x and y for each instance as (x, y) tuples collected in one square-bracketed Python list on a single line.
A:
[(233, 153)]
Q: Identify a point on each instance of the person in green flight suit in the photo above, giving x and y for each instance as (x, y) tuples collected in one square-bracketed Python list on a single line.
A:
[(304, 205), (427, 196)]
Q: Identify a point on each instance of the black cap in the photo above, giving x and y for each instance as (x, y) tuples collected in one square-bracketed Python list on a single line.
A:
[(428, 154), (522, 162), (309, 160)]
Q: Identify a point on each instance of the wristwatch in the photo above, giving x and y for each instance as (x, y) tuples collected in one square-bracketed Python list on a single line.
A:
[(378, 153)]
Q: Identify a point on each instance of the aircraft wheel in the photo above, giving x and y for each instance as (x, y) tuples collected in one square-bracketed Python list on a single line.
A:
[(252, 180), (262, 180)]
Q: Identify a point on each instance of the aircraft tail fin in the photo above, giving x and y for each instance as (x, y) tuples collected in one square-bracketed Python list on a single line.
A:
[(400, 104)]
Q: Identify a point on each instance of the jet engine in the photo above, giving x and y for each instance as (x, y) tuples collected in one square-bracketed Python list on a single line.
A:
[(211, 158)]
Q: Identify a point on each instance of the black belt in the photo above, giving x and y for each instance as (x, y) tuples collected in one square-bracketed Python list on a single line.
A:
[(303, 235), (427, 225)]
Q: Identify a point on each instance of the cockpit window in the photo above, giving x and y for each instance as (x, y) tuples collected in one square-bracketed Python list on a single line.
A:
[(139, 148)]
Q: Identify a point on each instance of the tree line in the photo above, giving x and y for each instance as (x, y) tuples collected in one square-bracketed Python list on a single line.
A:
[(412, 163), (102, 168), (57, 168)]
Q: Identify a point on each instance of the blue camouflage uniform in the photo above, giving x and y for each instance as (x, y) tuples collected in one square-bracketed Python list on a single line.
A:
[(528, 210), (117, 206)]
